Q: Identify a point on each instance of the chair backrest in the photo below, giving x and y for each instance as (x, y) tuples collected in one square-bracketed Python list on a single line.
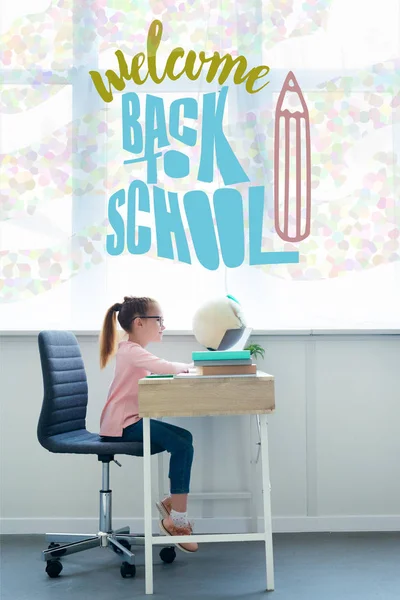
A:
[(65, 385)]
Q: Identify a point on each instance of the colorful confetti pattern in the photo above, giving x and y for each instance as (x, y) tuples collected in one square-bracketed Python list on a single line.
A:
[(355, 223)]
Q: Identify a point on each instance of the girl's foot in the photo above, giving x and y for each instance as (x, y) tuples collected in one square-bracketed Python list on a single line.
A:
[(167, 526), (164, 507)]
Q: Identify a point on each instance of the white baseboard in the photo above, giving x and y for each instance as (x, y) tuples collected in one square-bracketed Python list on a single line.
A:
[(332, 524)]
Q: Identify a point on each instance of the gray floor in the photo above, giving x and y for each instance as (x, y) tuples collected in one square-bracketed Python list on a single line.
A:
[(362, 566)]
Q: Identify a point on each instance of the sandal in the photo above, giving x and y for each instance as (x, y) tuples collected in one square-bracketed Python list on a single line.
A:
[(164, 507), (171, 529)]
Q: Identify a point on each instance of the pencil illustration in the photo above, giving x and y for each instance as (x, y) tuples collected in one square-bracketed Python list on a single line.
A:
[(292, 164)]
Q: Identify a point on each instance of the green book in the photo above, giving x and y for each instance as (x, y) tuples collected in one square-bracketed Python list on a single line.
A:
[(154, 376), (208, 355)]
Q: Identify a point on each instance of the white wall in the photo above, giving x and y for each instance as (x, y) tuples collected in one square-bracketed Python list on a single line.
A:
[(334, 442)]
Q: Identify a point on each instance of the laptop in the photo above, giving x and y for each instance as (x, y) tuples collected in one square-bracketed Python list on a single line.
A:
[(235, 339)]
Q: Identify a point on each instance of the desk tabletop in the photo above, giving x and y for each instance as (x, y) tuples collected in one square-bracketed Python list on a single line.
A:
[(200, 396)]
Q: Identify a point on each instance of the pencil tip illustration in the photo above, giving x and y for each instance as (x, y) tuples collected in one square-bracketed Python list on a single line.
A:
[(292, 164), (290, 84)]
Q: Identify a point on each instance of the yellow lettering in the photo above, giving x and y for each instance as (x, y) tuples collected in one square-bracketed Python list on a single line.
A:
[(230, 63), (189, 65), (252, 77), (153, 42), (135, 66), (172, 58), (113, 79)]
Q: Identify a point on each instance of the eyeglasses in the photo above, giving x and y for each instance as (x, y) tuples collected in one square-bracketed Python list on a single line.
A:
[(159, 319)]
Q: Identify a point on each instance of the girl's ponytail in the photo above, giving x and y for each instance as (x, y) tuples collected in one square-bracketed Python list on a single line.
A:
[(108, 336), (131, 306)]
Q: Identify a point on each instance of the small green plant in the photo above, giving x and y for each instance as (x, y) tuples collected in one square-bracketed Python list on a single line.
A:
[(256, 350)]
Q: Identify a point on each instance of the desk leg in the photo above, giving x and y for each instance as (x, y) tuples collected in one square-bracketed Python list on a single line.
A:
[(267, 503), (148, 532), (161, 478), (254, 476)]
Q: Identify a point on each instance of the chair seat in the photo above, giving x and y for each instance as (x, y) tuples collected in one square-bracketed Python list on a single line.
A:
[(82, 441)]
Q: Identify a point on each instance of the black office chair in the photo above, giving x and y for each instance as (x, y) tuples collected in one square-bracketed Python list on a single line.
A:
[(62, 429)]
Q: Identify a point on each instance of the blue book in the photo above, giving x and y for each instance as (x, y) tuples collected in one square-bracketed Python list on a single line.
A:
[(209, 355), (222, 363)]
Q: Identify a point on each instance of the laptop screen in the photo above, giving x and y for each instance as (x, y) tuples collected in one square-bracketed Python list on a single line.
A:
[(235, 339)]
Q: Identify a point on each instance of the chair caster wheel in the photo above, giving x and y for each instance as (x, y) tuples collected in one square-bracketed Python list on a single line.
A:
[(128, 570), (123, 543), (54, 568), (168, 555)]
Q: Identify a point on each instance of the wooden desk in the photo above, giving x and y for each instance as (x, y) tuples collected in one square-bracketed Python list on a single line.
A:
[(206, 396)]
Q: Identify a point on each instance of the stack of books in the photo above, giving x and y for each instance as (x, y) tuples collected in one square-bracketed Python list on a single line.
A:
[(224, 362)]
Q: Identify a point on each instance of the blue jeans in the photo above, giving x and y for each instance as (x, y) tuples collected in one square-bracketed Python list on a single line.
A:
[(175, 440)]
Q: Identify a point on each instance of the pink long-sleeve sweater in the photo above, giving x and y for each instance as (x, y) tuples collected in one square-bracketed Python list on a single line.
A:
[(133, 362)]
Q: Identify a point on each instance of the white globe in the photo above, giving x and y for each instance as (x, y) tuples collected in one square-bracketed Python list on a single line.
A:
[(214, 319)]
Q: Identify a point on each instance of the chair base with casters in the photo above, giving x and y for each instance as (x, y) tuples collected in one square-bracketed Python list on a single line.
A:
[(120, 540), (62, 429)]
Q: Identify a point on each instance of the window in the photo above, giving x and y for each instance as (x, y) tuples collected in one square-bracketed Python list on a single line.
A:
[(62, 159), (36, 209)]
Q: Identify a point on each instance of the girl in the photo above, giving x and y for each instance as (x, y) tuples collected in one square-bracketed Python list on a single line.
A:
[(142, 320)]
